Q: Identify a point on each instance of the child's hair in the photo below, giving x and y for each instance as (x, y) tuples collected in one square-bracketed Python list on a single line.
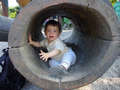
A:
[(53, 23)]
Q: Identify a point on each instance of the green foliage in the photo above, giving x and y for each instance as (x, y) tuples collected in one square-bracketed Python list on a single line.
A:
[(13, 11), (113, 2)]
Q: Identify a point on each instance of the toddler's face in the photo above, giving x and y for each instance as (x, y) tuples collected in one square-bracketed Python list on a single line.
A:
[(52, 33)]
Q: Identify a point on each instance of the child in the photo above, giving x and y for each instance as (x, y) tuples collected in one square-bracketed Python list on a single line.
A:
[(61, 56)]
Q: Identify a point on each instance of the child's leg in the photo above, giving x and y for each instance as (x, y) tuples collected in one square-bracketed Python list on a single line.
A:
[(68, 59), (59, 68), (56, 69), (53, 63)]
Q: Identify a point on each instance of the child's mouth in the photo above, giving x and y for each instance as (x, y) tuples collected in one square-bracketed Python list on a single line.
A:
[(51, 36)]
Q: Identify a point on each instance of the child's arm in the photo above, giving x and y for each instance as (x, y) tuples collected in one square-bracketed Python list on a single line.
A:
[(31, 42), (44, 56)]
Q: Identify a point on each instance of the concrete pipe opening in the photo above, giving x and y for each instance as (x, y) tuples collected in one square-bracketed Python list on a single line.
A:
[(93, 39)]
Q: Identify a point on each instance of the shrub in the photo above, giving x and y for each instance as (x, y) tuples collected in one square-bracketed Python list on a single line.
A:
[(13, 11)]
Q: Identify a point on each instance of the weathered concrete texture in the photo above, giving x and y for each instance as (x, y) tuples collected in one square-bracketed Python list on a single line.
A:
[(95, 40), (103, 84), (29, 86), (114, 71), (109, 81)]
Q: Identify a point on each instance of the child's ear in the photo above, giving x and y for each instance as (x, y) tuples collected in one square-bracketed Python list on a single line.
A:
[(59, 33)]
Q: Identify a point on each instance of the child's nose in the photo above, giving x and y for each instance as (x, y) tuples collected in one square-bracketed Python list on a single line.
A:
[(51, 32)]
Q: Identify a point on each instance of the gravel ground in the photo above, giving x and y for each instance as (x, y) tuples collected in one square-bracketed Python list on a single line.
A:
[(109, 81)]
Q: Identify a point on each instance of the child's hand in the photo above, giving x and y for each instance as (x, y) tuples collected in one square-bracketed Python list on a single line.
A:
[(29, 38), (31, 42), (44, 56)]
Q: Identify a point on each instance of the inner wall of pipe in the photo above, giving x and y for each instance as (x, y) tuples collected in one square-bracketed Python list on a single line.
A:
[(90, 38)]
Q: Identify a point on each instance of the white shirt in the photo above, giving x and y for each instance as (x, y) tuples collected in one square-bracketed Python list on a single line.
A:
[(56, 44)]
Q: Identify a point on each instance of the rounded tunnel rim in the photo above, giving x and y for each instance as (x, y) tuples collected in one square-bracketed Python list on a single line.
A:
[(70, 17), (40, 11)]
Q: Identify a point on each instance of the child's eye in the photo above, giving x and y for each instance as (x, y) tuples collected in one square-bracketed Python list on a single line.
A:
[(49, 31)]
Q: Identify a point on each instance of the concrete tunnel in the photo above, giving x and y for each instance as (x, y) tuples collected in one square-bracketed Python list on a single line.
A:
[(95, 40)]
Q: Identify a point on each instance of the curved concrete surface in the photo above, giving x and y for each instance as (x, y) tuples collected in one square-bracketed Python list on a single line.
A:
[(95, 40)]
